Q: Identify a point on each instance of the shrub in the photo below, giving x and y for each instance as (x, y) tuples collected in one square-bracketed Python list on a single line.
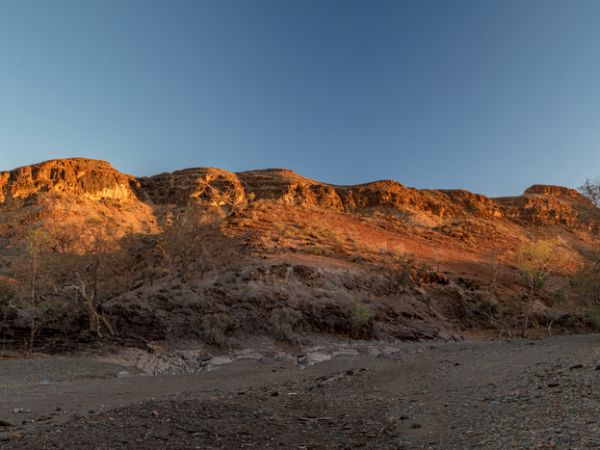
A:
[(586, 284), (360, 317), (423, 271), (560, 294), (591, 190), (282, 322), (536, 260), (490, 308), (593, 319), (215, 328), (402, 273)]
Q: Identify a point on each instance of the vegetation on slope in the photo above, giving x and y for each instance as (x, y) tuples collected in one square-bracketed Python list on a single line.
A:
[(88, 253)]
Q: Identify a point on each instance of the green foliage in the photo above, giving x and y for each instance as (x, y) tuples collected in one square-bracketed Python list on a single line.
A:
[(560, 294), (536, 259), (37, 241), (360, 313), (533, 260), (360, 316)]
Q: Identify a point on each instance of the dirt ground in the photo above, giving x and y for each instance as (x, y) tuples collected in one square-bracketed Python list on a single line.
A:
[(521, 394)]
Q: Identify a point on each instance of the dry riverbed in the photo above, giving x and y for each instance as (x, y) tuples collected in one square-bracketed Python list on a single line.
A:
[(460, 395)]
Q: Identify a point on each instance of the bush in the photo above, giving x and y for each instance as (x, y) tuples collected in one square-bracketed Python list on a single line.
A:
[(586, 284), (215, 328), (282, 322), (54, 307), (490, 308), (560, 295), (361, 317), (7, 292), (593, 318), (403, 272)]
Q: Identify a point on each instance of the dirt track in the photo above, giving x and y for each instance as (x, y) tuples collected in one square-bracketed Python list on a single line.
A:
[(480, 395)]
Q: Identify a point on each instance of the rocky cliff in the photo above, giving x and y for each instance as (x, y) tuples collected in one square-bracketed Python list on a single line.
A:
[(98, 180), (95, 180)]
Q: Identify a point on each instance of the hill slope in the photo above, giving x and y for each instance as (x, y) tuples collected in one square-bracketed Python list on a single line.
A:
[(220, 255)]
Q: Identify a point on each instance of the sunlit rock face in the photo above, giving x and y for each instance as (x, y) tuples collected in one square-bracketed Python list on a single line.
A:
[(98, 181), (91, 179), (210, 186), (551, 205)]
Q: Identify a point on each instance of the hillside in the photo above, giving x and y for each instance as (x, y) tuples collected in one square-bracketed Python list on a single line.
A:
[(216, 255)]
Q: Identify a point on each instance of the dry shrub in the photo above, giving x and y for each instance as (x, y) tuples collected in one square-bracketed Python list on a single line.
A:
[(586, 284), (403, 273), (593, 318), (215, 328), (489, 308), (282, 323)]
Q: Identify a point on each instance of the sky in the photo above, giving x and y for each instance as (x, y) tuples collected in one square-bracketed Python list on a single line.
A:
[(489, 96)]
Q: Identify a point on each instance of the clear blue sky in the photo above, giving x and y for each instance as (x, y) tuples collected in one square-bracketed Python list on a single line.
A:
[(491, 96)]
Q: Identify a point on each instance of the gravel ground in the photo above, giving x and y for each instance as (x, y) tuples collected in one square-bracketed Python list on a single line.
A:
[(520, 394)]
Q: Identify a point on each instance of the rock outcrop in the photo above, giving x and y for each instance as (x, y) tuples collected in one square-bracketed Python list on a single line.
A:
[(551, 205), (98, 180), (94, 180), (215, 187)]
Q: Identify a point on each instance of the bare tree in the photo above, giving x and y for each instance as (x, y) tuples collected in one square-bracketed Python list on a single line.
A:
[(85, 258), (194, 242), (591, 190), (586, 282), (90, 272), (33, 277)]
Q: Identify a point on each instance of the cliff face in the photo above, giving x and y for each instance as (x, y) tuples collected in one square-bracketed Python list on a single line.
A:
[(94, 180), (556, 205), (98, 180), (539, 205), (72, 193), (221, 188), (208, 186)]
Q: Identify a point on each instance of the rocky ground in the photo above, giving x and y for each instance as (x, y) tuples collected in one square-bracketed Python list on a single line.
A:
[(464, 395)]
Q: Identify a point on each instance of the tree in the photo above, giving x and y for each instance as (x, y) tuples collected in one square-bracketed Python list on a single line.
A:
[(591, 190), (586, 282), (36, 246), (90, 269), (7, 305), (86, 264), (194, 242), (536, 260)]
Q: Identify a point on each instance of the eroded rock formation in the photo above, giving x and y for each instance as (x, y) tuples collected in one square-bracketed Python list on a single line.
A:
[(98, 180)]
